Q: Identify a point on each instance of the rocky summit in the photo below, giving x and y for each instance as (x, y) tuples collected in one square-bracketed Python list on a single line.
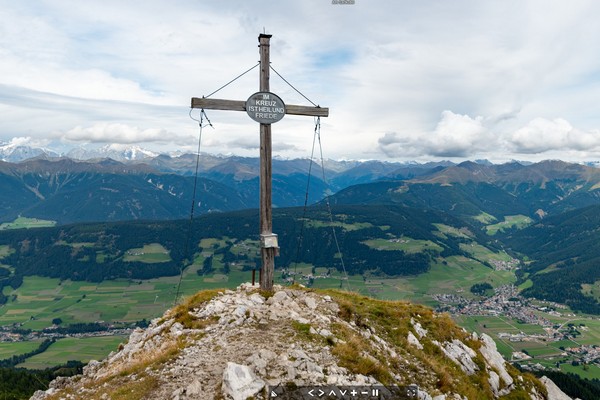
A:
[(248, 344)]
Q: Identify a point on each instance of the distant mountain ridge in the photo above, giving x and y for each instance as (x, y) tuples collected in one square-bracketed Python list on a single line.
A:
[(14, 152), (469, 189), (537, 173), (69, 190), (114, 151)]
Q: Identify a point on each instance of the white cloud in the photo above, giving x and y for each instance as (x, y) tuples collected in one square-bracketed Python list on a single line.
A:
[(26, 141), (461, 136), (543, 135), (388, 66), (455, 135), (458, 136), (19, 141), (119, 133), (244, 143)]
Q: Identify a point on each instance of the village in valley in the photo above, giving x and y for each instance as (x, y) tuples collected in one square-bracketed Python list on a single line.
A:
[(520, 314)]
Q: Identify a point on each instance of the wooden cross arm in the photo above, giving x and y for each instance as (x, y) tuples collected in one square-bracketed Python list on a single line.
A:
[(238, 105)]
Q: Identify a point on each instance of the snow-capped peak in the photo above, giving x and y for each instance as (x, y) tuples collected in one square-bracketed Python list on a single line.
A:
[(118, 152), (22, 148)]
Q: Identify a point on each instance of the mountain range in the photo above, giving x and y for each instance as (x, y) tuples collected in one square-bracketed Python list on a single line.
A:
[(472, 191), (70, 190), (558, 199), (19, 150), (161, 187), (16, 152)]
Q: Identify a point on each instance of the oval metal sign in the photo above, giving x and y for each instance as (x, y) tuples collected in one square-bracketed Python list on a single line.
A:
[(265, 107)]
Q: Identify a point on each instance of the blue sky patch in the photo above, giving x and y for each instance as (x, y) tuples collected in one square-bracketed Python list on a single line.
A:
[(334, 58)]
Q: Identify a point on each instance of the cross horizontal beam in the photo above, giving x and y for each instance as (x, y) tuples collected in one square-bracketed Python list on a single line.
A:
[(239, 105)]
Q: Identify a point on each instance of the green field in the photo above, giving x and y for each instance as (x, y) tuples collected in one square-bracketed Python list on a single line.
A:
[(458, 273), (546, 353), (40, 299), (452, 231), (510, 221), (453, 275), (75, 245), (494, 325), (485, 218), (150, 253), (525, 285), (5, 251), (9, 349), (482, 253), (79, 349), (347, 227), (589, 328), (406, 244), (246, 247), (591, 290), (23, 222), (591, 372)]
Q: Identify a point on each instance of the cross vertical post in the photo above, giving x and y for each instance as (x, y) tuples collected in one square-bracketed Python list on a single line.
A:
[(265, 114), (266, 215)]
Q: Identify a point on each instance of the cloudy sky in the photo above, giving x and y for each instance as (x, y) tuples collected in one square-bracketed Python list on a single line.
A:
[(404, 79)]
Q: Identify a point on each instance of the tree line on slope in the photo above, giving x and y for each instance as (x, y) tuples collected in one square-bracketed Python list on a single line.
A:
[(565, 255), (95, 252)]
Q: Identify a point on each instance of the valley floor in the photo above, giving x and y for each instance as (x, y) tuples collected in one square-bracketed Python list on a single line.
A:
[(534, 334)]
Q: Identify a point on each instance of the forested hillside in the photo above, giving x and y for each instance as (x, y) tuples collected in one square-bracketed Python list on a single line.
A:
[(96, 252), (565, 257), (67, 190)]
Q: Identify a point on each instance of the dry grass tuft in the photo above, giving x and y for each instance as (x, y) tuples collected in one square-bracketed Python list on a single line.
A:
[(350, 352), (135, 390), (181, 313)]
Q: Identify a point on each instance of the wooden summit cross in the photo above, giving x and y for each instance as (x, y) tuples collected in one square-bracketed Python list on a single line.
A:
[(265, 108)]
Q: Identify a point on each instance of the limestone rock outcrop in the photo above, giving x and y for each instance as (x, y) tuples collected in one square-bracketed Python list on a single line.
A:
[(237, 344)]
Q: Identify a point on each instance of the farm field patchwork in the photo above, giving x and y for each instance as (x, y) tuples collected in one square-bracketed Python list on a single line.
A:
[(547, 353), (40, 299)]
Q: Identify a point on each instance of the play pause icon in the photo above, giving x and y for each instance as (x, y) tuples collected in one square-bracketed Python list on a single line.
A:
[(375, 392)]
